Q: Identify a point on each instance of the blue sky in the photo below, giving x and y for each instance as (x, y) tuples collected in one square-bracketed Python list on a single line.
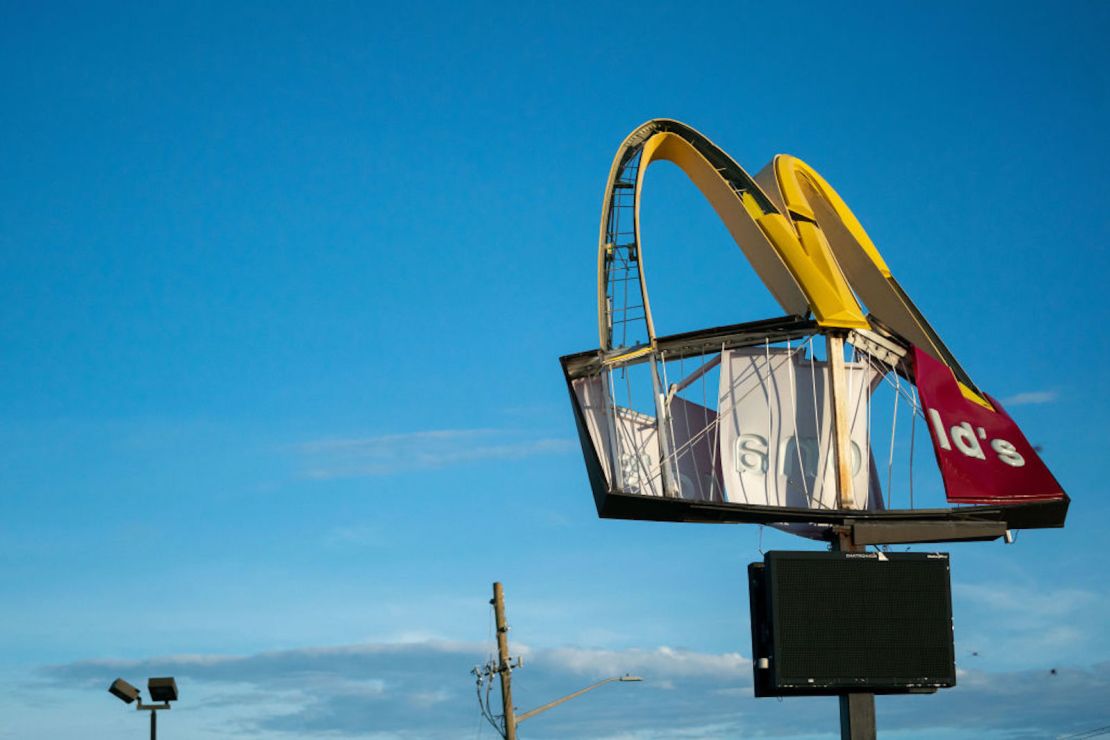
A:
[(284, 290)]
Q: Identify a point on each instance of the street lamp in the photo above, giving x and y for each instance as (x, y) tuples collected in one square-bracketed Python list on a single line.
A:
[(162, 690), (533, 712), (507, 730)]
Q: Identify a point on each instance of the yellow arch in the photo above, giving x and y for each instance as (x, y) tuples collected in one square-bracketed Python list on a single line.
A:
[(804, 242), (808, 197)]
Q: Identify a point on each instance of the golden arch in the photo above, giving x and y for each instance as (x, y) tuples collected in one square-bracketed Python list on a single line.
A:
[(804, 242)]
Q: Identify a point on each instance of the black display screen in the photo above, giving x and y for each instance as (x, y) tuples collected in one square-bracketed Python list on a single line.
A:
[(831, 622)]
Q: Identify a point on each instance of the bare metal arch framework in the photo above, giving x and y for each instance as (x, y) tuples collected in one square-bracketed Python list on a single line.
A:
[(803, 240)]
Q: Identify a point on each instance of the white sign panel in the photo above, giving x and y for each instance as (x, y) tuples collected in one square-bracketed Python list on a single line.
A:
[(636, 452), (691, 428), (775, 430)]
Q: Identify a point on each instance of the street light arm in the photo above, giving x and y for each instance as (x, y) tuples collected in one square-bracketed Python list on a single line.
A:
[(532, 713)]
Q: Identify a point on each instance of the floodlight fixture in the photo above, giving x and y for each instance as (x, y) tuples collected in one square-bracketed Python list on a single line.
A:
[(162, 689), (123, 691)]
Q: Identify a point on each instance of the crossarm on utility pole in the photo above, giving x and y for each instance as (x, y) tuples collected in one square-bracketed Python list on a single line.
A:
[(568, 697)]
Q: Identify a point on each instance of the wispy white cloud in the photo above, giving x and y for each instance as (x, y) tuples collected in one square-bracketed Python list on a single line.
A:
[(662, 660), (1039, 603), (353, 457), (1017, 621), (356, 536), (1029, 398)]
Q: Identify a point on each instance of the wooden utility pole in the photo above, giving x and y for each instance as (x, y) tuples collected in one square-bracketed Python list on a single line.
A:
[(504, 668), (857, 709)]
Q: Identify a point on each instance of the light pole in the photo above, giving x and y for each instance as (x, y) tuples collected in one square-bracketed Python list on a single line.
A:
[(162, 690)]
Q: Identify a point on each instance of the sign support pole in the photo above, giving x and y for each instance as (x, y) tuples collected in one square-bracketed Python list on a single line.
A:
[(857, 709), (841, 433)]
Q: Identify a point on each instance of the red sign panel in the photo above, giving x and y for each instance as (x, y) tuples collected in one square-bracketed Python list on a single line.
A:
[(983, 456)]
